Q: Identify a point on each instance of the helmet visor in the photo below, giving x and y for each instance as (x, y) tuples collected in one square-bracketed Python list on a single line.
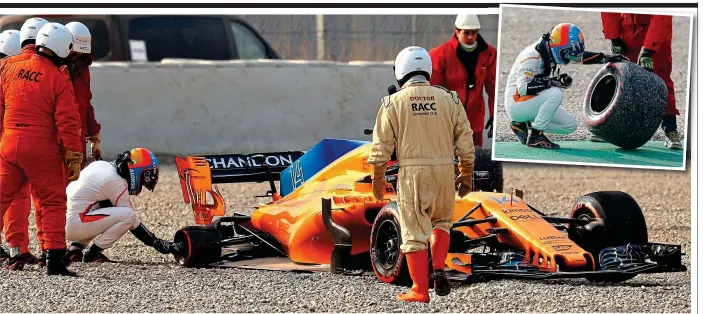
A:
[(150, 177), (574, 53)]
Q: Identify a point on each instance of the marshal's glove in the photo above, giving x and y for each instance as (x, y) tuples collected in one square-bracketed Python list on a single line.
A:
[(489, 127), (618, 47), (646, 59), (378, 181), (465, 178), (95, 149), (73, 160)]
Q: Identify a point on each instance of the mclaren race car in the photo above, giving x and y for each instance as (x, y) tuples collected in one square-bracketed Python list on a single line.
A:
[(325, 218)]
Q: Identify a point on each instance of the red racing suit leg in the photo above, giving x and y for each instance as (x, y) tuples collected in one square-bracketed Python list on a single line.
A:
[(38, 216), (634, 41), (12, 178), (16, 220), (662, 67), (478, 138), (44, 172)]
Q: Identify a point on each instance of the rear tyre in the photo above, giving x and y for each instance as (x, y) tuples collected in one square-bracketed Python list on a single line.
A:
[(622, 223), (202, 246), (387, 260)]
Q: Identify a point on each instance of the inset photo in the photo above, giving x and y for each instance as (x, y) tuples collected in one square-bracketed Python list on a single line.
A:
[(593, 87)]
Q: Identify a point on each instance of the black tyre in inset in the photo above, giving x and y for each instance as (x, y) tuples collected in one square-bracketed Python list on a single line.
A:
[(625, 104), (622, 223), (387, 260), (202, 246)]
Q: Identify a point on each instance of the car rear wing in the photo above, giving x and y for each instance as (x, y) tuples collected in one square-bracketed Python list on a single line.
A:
[(199, 174), (238, 168)]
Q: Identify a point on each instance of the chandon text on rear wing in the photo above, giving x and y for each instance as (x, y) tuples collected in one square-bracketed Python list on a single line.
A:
[(235, 168)]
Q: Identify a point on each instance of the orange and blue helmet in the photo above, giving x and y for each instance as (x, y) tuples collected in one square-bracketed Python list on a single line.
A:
[(566, 43), (140, 168)]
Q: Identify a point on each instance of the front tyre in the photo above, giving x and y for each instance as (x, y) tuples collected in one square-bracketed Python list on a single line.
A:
[(622, 223), (387, 260)]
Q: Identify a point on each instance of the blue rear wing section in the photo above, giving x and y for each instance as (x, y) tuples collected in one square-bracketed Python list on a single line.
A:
[(317, 158)]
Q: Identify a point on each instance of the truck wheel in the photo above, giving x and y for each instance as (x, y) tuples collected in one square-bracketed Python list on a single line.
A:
[(202, 246), (622, 223), (483, 162), (625, 104), (387, 261)]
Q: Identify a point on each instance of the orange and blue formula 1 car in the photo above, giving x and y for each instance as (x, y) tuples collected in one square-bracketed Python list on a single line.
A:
[(325, 218)]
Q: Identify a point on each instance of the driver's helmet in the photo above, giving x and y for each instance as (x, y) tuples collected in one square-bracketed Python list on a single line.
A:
[(566, 43), (143, 170)]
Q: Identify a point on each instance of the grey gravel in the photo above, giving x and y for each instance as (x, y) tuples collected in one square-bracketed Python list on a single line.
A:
[(144, 281), (519, 28)]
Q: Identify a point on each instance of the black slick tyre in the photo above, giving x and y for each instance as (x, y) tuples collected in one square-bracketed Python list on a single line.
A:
[(625, 104), (622, 223), (202, 246)]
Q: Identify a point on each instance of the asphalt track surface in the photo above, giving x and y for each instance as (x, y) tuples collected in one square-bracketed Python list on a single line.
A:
[(521, 27), (652, 154), (141, 280)]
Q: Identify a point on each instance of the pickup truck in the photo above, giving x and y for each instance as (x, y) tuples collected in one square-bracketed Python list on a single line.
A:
[(125, 37)]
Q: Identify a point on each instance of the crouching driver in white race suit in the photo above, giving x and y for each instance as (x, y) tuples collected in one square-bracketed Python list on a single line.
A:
[(99, 208), (535, 90)]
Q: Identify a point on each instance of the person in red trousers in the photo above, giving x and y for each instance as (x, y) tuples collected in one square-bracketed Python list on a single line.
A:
[(38, 113), (9, 46), (79, 61), (18, 226), (646, 39), (466, 64)]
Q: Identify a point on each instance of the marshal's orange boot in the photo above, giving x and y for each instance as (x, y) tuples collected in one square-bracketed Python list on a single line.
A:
[(419, 268), (440, 249)]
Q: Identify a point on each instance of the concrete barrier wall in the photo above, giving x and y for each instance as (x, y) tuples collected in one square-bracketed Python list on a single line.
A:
[(202, 107)]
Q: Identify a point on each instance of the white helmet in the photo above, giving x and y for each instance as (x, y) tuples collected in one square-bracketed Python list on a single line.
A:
[(10, 42), (56, 38), (81, 37), (411, 60), (31, 27), (467, 21)]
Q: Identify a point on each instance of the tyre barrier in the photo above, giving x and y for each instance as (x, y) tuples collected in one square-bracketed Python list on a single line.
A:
[(625, 104)]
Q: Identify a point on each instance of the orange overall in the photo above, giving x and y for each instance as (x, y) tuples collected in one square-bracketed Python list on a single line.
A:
[(21, 203), (40, 122)]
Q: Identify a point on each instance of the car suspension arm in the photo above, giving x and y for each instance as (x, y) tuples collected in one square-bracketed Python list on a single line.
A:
[(563, 220), (468, 223)]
